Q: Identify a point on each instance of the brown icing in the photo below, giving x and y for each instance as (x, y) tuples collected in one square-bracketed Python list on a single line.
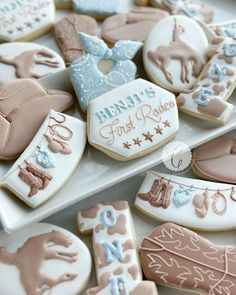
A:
[(57, 146), (180, 100), (188, 261), (228, 59), (99, 228), (201, 204), (134, 271), (218, 89), (120, 226), (144, 288), (179, 50), (26, 61), (90, 213), (67, 31), (217, 41), (214, 108), (29, 260), (117, 205)]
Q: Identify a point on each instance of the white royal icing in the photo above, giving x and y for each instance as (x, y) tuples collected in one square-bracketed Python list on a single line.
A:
[(54, 268), (133, 119), (41, 154), (214, 213)]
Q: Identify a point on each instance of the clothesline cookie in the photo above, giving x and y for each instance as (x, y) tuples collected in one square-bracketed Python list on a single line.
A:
[(198, 204), (224, 29), (48, 161), (43, 259), (133, 120), (63, 4), (116, 258)]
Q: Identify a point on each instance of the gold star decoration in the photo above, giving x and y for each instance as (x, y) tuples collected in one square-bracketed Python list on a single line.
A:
[(137, 141), (158, 130), (148, 136), (166, 123), (127, 145)]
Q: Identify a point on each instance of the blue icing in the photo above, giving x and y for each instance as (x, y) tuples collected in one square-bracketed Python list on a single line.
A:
[(45, 158), (230, 50), (183, 7), (203, 96), (182, 196), (231, 31), (89, 82), (117, 285), (108, 218), (97, 7), (113, 251), (217, 72)]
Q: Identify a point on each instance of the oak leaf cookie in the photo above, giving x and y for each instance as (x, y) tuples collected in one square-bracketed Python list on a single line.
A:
[(176, 257), (42, 259), (25, 20), (134, 26), (27, 60), (133, 120), (174, 53), (48, 161), (63, 4), (116, 257), (18, 122)]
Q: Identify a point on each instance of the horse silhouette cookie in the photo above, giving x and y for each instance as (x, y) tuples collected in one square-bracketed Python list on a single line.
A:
[(174, 53), (43, 259), (27, 60), (18, 122)]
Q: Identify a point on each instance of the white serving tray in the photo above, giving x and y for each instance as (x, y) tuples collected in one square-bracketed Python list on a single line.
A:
[(96, 171)]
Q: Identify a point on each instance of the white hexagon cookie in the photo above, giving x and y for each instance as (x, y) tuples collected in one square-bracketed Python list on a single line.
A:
[(132, 120)]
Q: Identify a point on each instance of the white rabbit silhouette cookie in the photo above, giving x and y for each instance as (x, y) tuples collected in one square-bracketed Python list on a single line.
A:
[(174, 53), (43, 259)]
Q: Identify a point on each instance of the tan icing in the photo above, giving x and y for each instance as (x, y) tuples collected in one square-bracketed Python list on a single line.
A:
[(99, 228), (217, 41), (120, 226), (180, 100), (228, 59), (201, 204), (179, 50), (229, 84), (117, 205), (134, 270), (218, 89), (29, 260), (90, 212), (144, 288), (57, 146), (214, 108)]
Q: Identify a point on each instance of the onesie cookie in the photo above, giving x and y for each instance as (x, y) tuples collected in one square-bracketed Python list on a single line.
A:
[(135, 25), (176, 257), (25, 20), (100, 9), (102, 69), (63, 4), (207, 100), (116, 258), (27, 60), (66, 33), (43, 259), (18, 122), (224, 29), (48, 161), (133, 120), (174, 53), (198, 204)]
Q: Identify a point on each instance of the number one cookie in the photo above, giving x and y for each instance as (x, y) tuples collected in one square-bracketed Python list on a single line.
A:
[(116, 258)]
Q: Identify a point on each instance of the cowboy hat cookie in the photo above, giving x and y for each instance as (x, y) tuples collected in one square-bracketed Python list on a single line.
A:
[(174, 53), (18, 123), (116, 257), (215, 85), (193, 203), (134, 25), (48, 161), (224, 29), (43, 259), (176, 257), (26, 19), (133, 120), (215, 159), (27, 60), (63, 4), (102, 69)]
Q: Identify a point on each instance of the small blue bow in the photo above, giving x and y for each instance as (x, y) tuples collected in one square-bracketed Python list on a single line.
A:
[(230, 50), (203, 96), (122, 50), (217, 72)]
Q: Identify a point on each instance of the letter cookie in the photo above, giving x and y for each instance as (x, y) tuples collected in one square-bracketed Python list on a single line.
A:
[(116, 258), (193, 203), (66, 33), (93, 75), (177, 257), (24, 20), (174, 53), (134, 26), (43, 259), (18, 122), (48, 161), (63, 4), (132, 120), (225, 29), (27, 60), (215, 85)]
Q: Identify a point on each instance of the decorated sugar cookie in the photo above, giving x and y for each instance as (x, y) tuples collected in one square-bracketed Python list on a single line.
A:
[(18, 122), (135, 25), (48, 161), (225, 29), (174, 53), (193, 203), (116, 258), (25, 20), (132, 120), (63, 4), (27, 60), (102, 69), (97, 8), (67, 30), (43, 259), (176, 257), (207, 100)]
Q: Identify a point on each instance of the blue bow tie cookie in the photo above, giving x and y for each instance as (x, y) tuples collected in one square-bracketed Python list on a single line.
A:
[(88, 81)]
